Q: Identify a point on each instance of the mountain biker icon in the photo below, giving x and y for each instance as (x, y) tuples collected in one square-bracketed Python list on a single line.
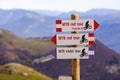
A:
[(83, 53), (83, 39), (87, 25)]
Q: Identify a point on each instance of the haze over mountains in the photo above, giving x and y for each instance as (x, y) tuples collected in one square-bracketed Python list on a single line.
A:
[(26, 23)]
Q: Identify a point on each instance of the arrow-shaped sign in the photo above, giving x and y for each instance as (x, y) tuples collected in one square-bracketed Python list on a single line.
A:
[(73, 39), (73, 52), (76, 25)]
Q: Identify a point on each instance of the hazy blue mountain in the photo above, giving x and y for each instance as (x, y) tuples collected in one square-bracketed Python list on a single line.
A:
[(7, 16), (26, 23), (48, 12), (109, 31), (103, 11)]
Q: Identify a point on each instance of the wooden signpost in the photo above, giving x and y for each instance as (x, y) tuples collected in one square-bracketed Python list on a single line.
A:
[(77, 44), (75, 62)]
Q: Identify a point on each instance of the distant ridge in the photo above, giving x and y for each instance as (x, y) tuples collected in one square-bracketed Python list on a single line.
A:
[(103, 11)]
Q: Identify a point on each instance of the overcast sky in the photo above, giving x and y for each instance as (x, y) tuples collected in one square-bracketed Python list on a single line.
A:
[(60, 5)]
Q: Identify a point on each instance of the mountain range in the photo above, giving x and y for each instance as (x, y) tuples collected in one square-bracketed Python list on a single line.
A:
[(48, 12), (38, 23), (36, 53)]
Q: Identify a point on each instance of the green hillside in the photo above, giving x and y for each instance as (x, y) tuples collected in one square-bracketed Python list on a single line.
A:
[(34, 46), (14, 48), (15, 71)]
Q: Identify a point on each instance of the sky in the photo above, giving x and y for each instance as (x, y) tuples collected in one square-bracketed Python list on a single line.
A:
[(60, 5)]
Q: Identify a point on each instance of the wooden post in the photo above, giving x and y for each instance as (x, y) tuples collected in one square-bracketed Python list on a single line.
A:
[(75, 62)]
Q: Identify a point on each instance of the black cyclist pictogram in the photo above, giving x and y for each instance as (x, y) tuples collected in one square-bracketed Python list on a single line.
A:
[(83, 39), (83, 53), (87, 25)]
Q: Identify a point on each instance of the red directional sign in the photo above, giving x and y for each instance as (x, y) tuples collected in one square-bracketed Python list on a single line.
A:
[(74, 39), (76, 25)]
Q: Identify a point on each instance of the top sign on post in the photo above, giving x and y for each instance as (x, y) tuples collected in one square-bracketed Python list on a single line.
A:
[(76, 25)]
